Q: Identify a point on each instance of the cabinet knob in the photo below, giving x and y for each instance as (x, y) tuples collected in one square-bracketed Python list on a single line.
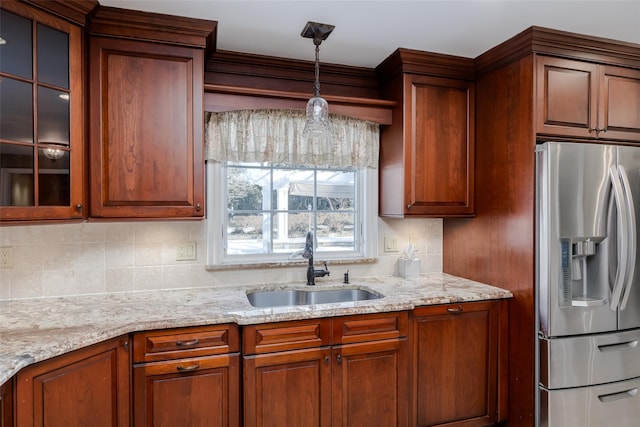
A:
[(339, 358), (326, 360), (125, 344), (198, 207), (79, 207), (409, 206)]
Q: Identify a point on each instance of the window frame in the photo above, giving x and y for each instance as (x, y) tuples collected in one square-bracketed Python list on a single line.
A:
[(216, 231)]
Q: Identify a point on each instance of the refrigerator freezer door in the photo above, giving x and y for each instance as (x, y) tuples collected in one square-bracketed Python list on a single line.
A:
[(577, 232), (590, 359), (614, 404), (629, 158)]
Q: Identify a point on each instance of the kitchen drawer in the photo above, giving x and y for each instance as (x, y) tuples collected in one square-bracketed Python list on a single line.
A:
[(283, 336), (614, 404), (166, 344), (591, 359), (369, 327)]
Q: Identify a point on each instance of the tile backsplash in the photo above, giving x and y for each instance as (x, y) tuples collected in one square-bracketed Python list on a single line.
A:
[(92, 258)]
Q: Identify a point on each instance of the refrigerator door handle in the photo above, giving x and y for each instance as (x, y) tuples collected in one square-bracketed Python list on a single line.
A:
[(621, 271), (629, 345), (611, 397), (631, 232)]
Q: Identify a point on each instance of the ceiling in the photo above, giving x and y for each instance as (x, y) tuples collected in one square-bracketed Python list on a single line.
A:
[(368, 31)]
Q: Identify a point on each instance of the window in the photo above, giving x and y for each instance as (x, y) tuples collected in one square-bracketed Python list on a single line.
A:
[(259, 211), (262, 213)]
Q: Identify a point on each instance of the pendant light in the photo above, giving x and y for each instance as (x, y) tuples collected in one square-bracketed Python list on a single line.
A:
[(317, 129)]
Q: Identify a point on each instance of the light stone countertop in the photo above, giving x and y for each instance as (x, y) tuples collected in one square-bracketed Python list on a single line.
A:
[(33, 330)]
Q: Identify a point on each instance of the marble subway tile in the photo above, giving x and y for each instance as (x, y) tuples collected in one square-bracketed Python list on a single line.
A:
[(119, 254), (119, 279), (26, 284)]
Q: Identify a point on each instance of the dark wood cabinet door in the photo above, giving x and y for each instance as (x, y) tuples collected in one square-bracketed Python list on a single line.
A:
[(370, 384), (85, 387), (566, 97), (619, 115), (455, 361), (203, 391), (146, 133), (291, 388), (439, 153), (6, 404)]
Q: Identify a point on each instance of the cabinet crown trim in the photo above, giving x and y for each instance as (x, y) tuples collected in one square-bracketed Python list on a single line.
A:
[(153, 27), (541, 40)]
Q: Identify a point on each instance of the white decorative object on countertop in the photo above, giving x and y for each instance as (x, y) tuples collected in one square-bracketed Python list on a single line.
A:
[(409, 265)]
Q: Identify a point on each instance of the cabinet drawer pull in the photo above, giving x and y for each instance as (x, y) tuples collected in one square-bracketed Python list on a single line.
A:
[(458, 309), (187, 343), (190, 368)]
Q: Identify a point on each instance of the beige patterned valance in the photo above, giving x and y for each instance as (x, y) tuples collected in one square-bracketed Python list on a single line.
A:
[(275, 136)]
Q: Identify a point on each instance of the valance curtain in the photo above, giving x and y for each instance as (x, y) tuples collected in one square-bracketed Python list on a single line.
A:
[(275, 136)]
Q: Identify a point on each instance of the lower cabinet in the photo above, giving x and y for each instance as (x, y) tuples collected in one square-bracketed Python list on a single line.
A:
[(459, 372), (6, 404), (187, 377), (85, 387), (435, 366), (348, 371)]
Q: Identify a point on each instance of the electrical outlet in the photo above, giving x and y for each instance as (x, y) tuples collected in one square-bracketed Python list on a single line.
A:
[(186, 251), (391, 243), (6, 257)]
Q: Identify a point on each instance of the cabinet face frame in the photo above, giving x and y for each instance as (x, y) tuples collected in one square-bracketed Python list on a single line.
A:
[(77, 174), (123, 188)]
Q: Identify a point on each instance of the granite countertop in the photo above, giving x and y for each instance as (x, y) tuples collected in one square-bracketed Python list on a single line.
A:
[(33, 330)]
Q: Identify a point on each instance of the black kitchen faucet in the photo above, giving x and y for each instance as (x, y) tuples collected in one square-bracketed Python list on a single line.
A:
[(312, 273)]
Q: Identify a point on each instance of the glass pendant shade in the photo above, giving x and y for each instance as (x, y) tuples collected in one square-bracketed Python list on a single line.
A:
[(317, 128)]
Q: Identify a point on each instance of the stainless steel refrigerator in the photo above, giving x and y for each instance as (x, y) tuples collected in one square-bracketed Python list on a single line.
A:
[(588, 290)]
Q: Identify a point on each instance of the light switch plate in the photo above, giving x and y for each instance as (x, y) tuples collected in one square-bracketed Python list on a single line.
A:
[(391, 243), (186, 251)]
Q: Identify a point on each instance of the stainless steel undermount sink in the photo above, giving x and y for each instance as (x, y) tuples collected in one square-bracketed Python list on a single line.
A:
[(293, 297)]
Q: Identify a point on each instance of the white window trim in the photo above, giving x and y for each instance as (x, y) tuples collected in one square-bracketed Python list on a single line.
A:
[(216, 230)]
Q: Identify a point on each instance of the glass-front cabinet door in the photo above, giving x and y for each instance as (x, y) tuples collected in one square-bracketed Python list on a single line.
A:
[(41, 115)]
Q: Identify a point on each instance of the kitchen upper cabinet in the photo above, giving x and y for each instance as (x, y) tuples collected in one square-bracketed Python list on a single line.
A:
[(87, 386), (41, 115), (427, 154), (587, 100), (146, 115), (328, 372), (459, 372), (188, 376)]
